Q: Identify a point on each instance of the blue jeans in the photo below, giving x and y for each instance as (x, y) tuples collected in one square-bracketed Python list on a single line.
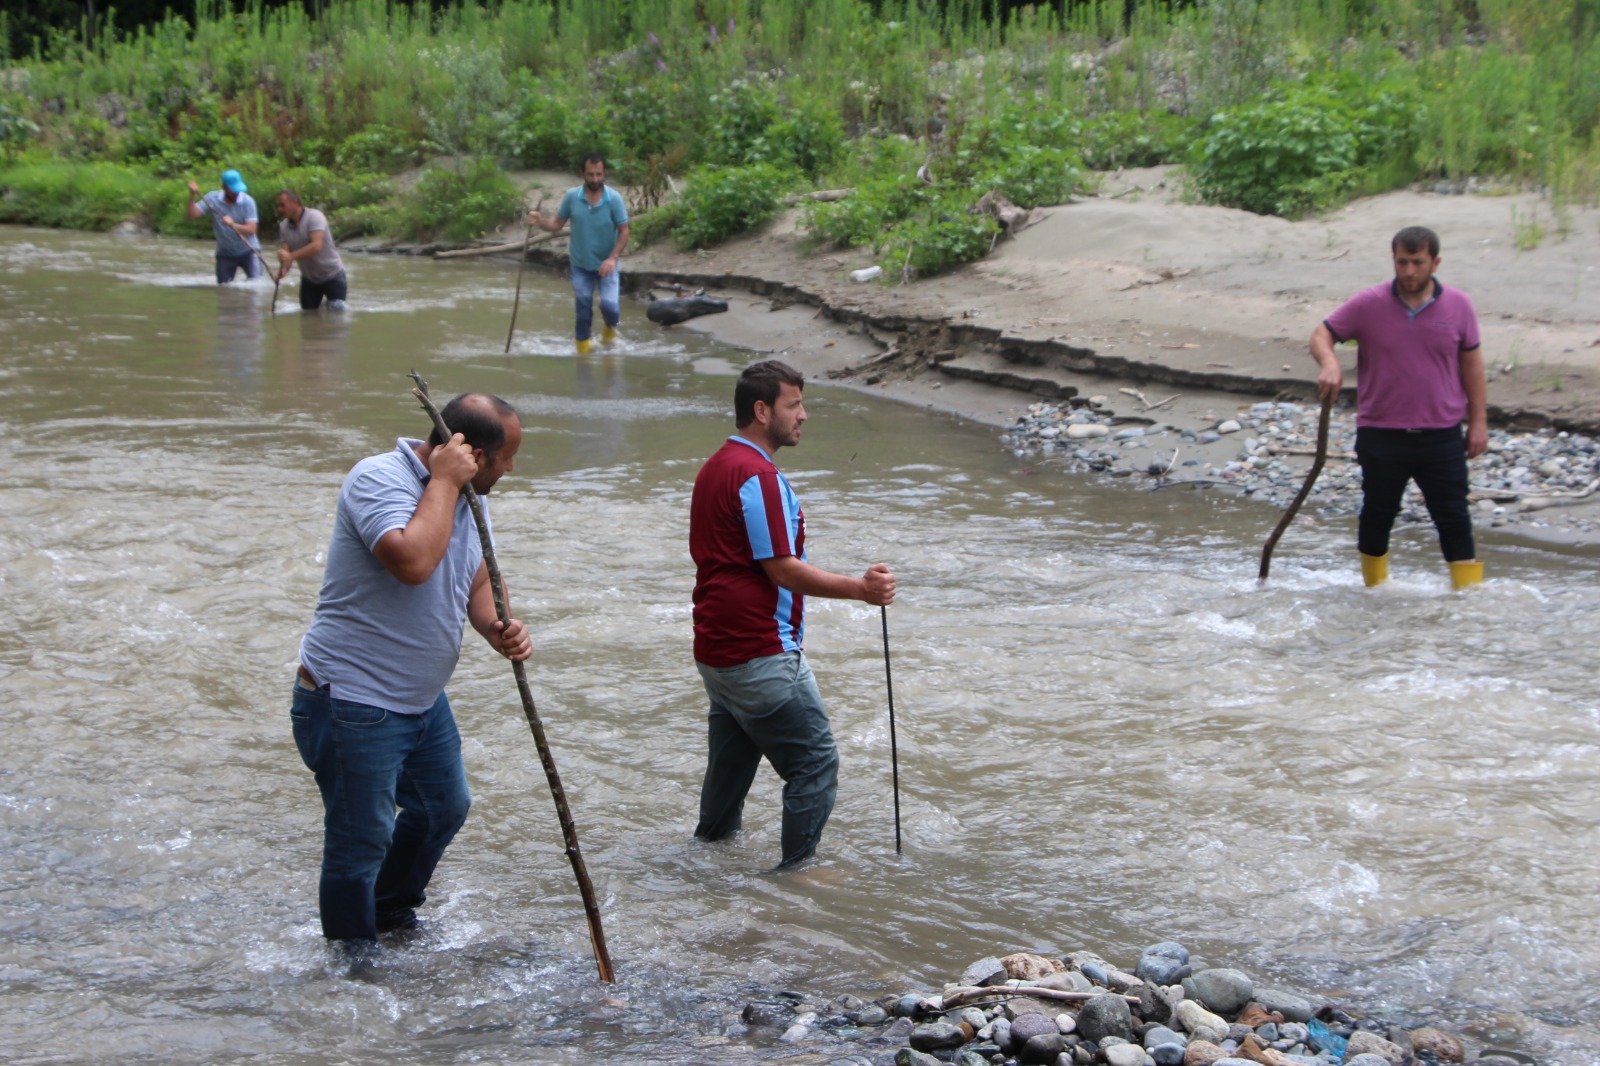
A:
[(227, 265), (768, 706), (1436, 459), (367, 762), (584, 284)]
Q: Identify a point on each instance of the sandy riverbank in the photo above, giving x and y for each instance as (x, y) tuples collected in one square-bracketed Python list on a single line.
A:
[(1167, 312)]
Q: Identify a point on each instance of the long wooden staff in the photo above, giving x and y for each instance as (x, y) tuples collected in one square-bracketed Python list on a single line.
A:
[(1305, 490), (568, 830)]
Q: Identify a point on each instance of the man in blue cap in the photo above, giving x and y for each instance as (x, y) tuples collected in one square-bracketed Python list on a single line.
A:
[(234, 219)]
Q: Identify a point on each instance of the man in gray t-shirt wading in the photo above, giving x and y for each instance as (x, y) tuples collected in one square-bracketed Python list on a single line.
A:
[(307, 241), (404, 577)]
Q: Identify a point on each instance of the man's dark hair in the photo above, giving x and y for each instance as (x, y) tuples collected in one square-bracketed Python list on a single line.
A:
[(1415, 239), (479, 418), (294, 197), (595, 157), (761, 383)]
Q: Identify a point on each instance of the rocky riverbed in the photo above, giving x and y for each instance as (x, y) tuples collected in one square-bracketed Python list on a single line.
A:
[(1541, 480), (1169, 1009)]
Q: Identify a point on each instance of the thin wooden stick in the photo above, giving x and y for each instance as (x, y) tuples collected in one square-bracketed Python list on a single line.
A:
[(522, 262), (1305, 489), (894, 751), (569, 830), (270, 273)]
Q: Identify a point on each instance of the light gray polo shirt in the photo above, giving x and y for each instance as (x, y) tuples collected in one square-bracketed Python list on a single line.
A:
[(374, 639), (326, 264)]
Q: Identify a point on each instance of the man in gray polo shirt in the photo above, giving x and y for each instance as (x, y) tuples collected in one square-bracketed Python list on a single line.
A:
[(404, 575), (308, 241)]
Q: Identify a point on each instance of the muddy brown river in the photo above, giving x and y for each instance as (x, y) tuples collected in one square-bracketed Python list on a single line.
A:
[(1108, 734)]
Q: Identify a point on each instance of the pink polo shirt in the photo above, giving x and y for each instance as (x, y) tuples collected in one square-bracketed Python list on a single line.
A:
[(1408, 363)]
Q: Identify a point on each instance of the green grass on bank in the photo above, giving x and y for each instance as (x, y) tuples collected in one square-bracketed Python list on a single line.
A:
[(1280, 106)]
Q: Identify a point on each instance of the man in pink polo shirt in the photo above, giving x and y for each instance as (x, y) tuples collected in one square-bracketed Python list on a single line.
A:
[(1419, 375)]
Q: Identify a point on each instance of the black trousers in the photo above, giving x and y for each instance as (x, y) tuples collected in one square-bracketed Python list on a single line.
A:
[(313, 292), (1436, 459)]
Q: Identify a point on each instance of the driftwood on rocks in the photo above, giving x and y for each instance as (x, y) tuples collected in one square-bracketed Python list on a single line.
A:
[(955, 997)]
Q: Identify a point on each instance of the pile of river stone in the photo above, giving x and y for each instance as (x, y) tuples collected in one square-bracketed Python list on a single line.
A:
[(1080, 1010), (1266, 450)]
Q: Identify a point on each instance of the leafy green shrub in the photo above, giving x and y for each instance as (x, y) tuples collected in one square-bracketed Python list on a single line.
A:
[(383, 149), (459, 205), (1136, 139), (361, 221), (1305, 148), (1275, 158), (808, 138), (722, 202), (866, 217), (90, 196), (16, 130), (660, 222), (546, 126), (947, 239), (1030, 176), (204, 135), (740, 116), (644, 120)]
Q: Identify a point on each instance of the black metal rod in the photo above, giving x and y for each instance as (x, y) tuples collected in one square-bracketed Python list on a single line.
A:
[(894, 751)]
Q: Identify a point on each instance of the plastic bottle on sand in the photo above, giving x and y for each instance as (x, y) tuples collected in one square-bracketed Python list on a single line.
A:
[(866, 273)]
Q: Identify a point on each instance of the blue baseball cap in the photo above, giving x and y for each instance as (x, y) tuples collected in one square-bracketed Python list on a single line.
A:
[(233, 182)]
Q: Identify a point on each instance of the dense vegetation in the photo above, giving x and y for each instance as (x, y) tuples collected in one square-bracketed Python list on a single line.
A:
[(716, 109)]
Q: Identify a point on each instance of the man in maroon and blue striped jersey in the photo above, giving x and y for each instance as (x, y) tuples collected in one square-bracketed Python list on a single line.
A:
[(747, 535)]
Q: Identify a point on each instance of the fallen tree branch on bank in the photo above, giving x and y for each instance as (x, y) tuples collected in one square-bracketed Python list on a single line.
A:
[(497, 249)]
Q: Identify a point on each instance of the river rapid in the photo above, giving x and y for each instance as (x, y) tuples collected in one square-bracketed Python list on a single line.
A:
[(1108, 733)]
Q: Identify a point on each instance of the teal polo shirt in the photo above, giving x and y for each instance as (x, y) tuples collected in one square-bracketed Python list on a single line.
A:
[(594, 226)]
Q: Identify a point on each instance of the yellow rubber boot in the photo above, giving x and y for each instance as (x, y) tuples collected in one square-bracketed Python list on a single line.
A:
[(608, 335), (1374, 569), (1467, 572), (585, 346)]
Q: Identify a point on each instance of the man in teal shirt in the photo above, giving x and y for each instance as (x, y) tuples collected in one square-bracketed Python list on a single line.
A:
[(599, 234)]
